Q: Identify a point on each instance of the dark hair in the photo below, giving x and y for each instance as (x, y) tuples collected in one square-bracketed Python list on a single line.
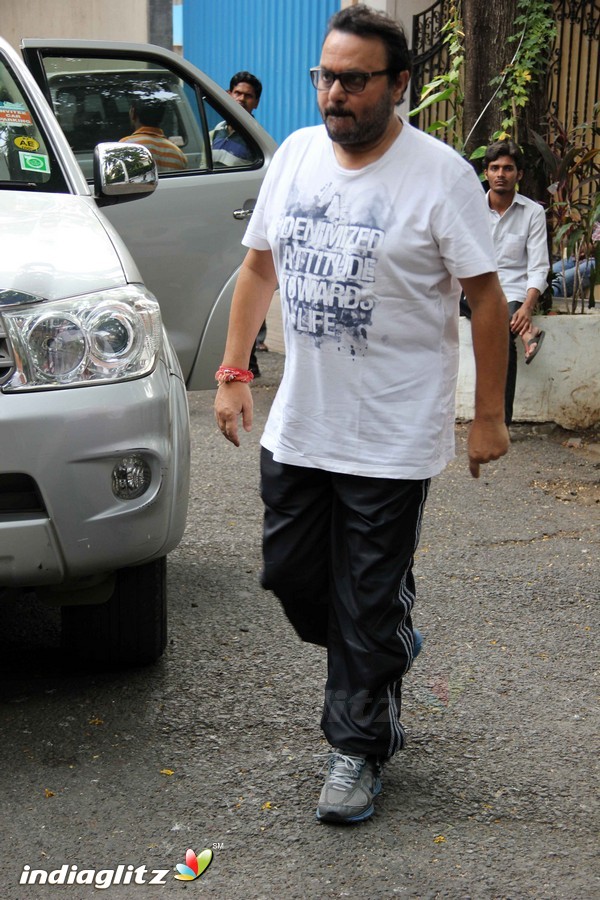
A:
[(504, 148), (149, 112), (363, 21), (247, 78)]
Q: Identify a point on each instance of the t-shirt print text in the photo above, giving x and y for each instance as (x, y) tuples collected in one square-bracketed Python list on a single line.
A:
[(327, 268)]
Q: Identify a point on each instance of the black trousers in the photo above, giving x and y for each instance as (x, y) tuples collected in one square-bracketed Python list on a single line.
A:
[(511, 372), (338, 553)]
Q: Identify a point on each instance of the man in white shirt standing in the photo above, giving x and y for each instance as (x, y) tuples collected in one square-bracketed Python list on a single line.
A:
[(368, 226), (521, 242)]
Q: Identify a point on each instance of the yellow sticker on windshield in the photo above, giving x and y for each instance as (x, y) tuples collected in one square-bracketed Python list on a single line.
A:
[(27, 143)]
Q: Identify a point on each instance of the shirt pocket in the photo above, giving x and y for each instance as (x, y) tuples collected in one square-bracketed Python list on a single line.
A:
[(514, 247)]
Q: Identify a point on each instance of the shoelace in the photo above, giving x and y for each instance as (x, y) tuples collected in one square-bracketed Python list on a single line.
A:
[(344, 770)]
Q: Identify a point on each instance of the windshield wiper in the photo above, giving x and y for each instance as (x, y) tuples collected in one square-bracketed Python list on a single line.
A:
[(19, 186)]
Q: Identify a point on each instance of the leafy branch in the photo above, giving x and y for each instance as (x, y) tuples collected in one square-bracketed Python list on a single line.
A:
[(536, 32)]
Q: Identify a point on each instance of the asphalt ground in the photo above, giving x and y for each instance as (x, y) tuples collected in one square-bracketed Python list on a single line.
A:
[(218, 746)]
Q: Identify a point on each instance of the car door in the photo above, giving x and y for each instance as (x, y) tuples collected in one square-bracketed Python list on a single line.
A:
[(186, 237)]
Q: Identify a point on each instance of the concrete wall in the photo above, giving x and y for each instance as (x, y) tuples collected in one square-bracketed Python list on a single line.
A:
[(113, 20), (160, 23), (561, 385)]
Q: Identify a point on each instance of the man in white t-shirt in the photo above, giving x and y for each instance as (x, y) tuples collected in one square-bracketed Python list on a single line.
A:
[(370, 228)]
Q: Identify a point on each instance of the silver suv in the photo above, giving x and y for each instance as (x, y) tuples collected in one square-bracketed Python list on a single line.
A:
[(94, 443)]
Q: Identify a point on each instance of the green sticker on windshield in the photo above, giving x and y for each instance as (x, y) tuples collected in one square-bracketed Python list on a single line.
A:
[(34, 162)]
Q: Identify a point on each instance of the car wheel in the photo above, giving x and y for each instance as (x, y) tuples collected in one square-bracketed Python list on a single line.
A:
[(130, 629)]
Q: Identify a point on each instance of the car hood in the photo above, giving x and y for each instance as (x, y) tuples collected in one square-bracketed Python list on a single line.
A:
[(55, 246)]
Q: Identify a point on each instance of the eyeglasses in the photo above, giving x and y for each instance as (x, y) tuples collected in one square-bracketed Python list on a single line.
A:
[(351, 82)]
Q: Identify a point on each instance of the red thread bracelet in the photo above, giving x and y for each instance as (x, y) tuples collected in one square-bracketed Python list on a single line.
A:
[(225, 374)]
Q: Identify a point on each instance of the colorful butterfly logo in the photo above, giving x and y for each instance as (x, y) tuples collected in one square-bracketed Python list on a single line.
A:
[(194, 865)]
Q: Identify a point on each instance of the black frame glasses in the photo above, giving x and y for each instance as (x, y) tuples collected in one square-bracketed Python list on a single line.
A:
[(352, 82)]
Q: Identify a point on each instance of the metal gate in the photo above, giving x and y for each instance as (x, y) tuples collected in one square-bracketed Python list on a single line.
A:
[(575, 68), (574, 71), (430, 58)]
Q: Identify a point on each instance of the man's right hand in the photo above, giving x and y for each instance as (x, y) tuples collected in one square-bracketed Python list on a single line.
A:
[(234, 398), (520, 322), (487, 441)]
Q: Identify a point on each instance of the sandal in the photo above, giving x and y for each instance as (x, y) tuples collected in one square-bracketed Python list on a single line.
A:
[(538, 340)]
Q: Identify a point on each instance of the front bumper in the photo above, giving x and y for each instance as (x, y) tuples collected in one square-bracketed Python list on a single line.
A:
[(66, 442)]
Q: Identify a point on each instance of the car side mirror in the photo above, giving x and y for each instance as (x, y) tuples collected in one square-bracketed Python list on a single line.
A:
[(123, 172)]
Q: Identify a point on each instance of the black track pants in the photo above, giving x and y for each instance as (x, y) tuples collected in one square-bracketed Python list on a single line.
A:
[(338, 553)]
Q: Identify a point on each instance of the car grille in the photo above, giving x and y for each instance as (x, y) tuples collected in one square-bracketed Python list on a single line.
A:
[(7, 364), (19, 493)]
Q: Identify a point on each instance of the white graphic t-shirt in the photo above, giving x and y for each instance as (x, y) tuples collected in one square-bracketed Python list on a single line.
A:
[(367, 262)]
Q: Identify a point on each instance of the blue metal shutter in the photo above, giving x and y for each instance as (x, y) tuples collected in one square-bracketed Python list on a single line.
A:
[(276, 40)]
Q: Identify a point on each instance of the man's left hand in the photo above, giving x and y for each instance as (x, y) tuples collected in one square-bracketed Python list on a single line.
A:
[(488, 440)]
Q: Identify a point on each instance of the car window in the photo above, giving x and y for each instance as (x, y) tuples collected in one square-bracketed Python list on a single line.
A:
[(27, 160), (102, 99), (96, 100), (230, 146)]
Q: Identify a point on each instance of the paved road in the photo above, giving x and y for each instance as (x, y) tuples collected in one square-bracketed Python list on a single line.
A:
[(219, 744)]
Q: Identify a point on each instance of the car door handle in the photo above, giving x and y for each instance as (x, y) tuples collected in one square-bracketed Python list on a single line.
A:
[(242, 213), (246, 211)]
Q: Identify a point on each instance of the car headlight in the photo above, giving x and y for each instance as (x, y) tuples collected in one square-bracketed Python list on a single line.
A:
[(109, 336)]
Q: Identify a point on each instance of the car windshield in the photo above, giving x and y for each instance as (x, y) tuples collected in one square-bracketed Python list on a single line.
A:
[(26, 158)]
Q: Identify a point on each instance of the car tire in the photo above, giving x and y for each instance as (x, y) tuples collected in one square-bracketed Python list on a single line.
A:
[(130, 629)]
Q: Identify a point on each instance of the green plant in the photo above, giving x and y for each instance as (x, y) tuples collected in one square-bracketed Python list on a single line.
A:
[(535, 31), (571, 162)]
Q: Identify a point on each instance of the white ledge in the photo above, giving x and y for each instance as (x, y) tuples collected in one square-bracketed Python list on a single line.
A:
[(562, 383)]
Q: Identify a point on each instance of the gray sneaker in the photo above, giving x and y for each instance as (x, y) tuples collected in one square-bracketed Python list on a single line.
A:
[(350, 787)]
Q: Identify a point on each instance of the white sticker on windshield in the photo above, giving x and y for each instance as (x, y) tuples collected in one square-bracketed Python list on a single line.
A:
[(34, 162), (14, 114)]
